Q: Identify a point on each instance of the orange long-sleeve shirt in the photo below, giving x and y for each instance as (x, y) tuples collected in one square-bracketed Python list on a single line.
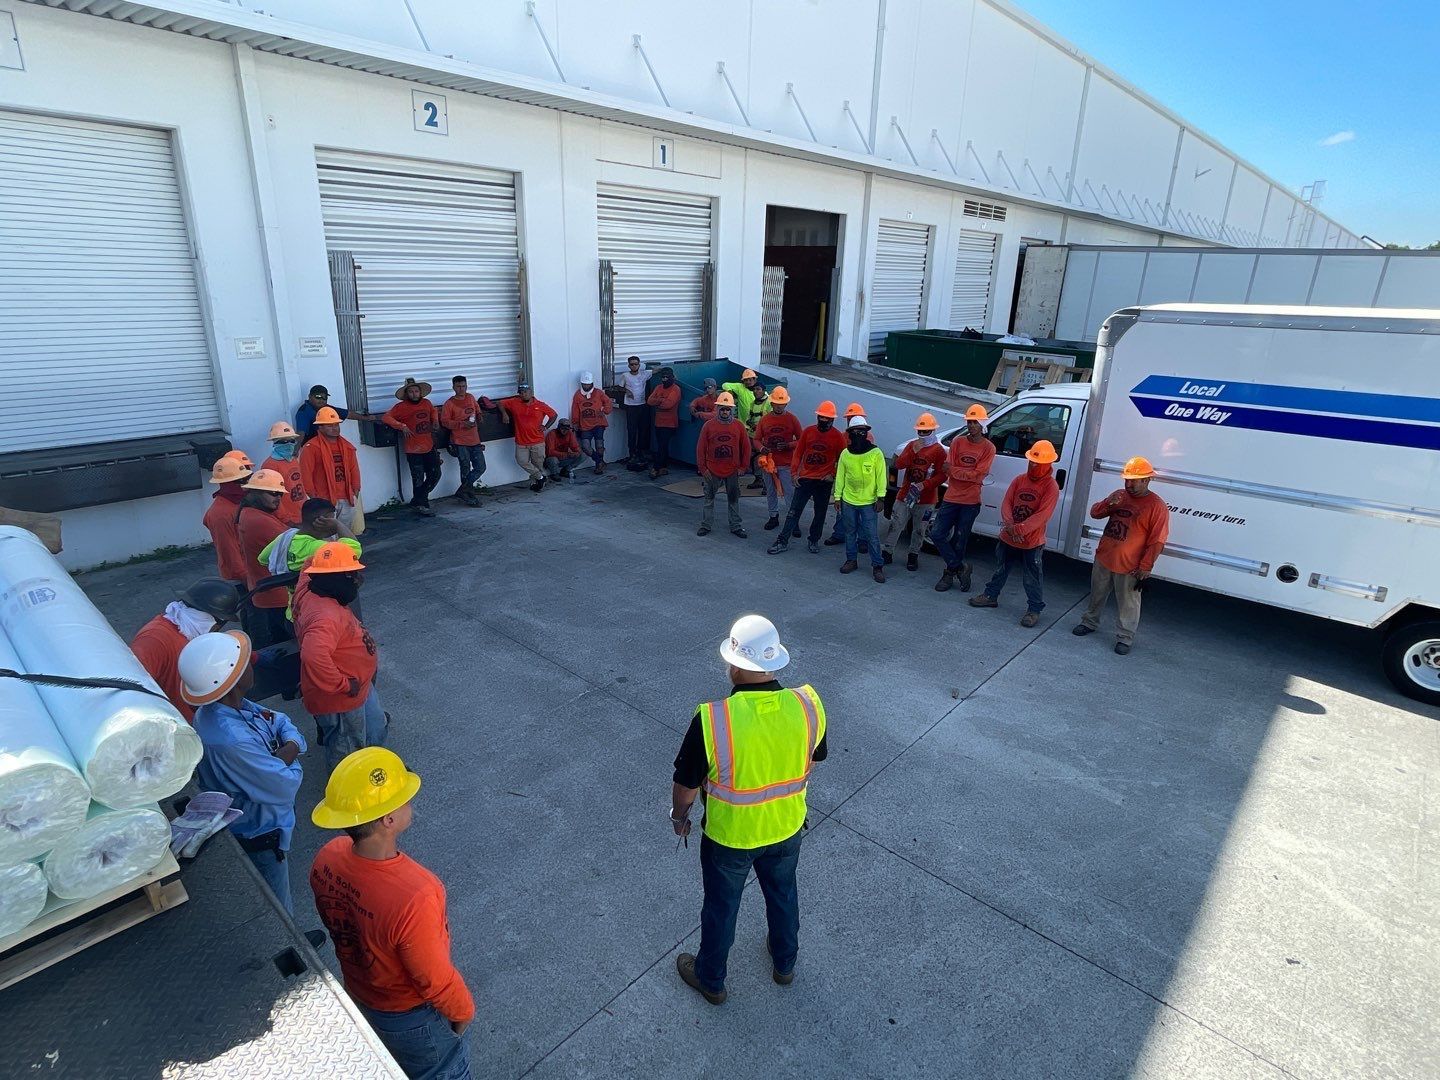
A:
[(295, 494), (1027, 505), (421, 417), (665, 400), (225, 535), (968, 464), (452, 419), (1135, 533), (923, 465), (589, 413), (702, 408), (817, 452), (330, 469), (334, 648), (157, 646), (723, 449), (776, 434), (257, 528), (391, 933)]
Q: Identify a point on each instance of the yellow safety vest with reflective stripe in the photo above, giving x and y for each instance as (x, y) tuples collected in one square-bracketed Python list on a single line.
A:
[(760, 745)]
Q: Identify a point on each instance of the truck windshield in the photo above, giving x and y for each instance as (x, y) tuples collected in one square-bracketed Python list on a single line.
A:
[(1019, 429)]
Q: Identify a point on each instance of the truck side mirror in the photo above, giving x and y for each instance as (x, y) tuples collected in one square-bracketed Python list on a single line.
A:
[(1060, 479)]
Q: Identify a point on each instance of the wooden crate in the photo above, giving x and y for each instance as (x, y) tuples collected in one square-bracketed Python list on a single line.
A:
[(86, 922)]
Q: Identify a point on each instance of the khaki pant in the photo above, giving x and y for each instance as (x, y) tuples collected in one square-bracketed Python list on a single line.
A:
[(532, 460), (903, 512), (1127, 601)]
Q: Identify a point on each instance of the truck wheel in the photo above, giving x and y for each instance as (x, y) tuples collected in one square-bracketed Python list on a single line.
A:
[(1411, 657)]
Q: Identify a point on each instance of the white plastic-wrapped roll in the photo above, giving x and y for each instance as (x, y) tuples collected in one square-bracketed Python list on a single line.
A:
[(112, 847), (23, 893), (42, 795), (132, 748)]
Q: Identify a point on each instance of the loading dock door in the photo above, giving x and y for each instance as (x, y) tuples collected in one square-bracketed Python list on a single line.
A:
[(657, 246), (437, 269), (974, 271), (897, 289), (101, 331)]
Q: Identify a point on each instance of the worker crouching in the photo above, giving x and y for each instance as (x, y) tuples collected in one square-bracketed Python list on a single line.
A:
[(751, 753)]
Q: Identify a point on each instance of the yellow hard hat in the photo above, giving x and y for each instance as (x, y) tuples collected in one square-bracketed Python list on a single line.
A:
[(282, 430), (228, 469), (780, 396), (366, 785), (1043, 452), (266, 480), (976, 412), (1137, 468), (725, 398)]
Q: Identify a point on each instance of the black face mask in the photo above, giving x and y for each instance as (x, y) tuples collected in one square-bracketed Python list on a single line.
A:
[(666, 381), (824, 423), (859, 440), (342, 588)]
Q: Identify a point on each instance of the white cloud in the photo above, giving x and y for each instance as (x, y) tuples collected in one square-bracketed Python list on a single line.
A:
[(1338, 138)]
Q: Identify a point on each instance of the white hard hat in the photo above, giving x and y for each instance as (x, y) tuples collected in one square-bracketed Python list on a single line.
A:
[(211, 665), (754, 645), (587, 378), (857, 421)]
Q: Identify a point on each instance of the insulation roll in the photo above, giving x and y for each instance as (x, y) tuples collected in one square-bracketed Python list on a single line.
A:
[(132, 748), (112, 847), (23, 893), (42, 795)]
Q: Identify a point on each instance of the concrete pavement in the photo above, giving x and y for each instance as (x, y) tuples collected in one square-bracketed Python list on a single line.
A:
[(1027, 856)]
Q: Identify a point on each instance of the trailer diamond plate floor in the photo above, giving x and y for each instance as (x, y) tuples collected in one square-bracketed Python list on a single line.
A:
[(194, 992)]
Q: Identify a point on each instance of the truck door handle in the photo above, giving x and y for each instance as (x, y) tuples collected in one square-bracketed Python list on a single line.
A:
[(1060, 479)]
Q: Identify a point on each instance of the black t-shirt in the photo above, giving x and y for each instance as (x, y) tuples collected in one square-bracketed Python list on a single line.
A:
[(691, 764)]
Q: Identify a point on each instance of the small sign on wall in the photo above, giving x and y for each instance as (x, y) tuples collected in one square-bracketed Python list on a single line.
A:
[(313, 346), (430, 114), (250, 348), (664, 154)]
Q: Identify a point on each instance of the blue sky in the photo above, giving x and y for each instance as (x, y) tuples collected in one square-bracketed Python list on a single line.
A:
[(1274, 80)]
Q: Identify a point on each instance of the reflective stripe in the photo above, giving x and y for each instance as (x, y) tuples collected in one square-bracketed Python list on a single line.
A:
[(722, 786)]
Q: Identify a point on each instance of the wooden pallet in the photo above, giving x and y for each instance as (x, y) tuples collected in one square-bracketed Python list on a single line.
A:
[(87, 922)]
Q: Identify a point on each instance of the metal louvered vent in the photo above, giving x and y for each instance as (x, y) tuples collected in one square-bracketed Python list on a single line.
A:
[(897, 289), (989, 211), (974, 269)]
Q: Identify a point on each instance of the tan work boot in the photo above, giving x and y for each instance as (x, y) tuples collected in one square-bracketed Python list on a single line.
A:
[(685, 965)]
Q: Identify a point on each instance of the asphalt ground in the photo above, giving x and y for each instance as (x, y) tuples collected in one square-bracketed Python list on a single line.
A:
[(1026, 856)]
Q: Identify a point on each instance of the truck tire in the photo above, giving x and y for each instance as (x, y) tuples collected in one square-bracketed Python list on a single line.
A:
[(1411, 657)]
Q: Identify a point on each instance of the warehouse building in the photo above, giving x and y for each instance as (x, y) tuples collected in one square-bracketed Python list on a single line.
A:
[(206, 207)]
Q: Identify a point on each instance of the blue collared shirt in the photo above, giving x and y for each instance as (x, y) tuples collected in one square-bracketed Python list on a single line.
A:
[(239, 761), (305, 417)]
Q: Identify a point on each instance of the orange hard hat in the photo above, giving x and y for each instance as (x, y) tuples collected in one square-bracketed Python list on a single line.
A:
[(1042, 453), (266, 480), (748, 373), (725, 398), (227, 470), (826, 409), (780, 396), (334, 558), (240, 456), (854, 409), (282, 430), (976, 412), (926, 422), (327, 415), (1137, 468)]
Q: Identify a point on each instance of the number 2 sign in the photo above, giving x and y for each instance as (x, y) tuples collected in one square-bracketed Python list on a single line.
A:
[(430, 112)]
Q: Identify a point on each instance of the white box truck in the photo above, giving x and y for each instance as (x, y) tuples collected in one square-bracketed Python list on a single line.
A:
[(1298, 450)]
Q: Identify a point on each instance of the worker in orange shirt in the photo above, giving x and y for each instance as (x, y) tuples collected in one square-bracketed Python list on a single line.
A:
[(562, 451), (1137, 526), (776, 434), (207, 605), (460, 416), (329, 468), (386, 914), (1025, 512), (664, 402), (590, 409), (284, 459), (702, 408), (532, 419), (813, 463), (966, 467), (257, 524), (921, 467), (220, 519), (722, 455), (414, 414)]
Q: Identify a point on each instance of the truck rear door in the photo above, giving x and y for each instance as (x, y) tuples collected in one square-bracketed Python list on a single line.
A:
[(1013, 431)]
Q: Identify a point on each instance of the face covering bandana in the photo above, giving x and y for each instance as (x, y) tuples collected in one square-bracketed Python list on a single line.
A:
[(188, 621), (344, 590), (283, 451), (926, 438), (859, 441), (824, 423), (667, 381)]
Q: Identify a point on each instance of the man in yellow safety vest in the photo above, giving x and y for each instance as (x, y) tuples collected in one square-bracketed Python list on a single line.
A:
[(751, 753)]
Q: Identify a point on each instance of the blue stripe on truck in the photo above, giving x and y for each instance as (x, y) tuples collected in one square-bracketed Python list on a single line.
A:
[(1349, 428), (1296, 398)]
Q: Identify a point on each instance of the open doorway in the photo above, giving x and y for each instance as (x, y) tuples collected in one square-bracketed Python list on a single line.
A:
[(1025, 242), (805, 245)]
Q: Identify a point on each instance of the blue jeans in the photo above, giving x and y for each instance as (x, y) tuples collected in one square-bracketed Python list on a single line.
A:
[(422, 1042), (951, 532), (772, 491), (472, 464), (723, 871), (1032, 574), (592, 444), (276, 875), (860, 525), (344, 733), (807, 491)]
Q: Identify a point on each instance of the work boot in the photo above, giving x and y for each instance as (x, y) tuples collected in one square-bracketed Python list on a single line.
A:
[(685, 965), (912, 563), (600, 468), (813, 547), (878, 573), (741, 533), (703, 530), (565, 473), (833, 541), (984, 600), (1082, 630), (537, 485), (665, 472), (1030, 618), (888, 556), (965, 578), (772, 523), (1122, 648), (783, 980), (946, 580), (849, 566), (783, 544), (654, 474), (424, 511)]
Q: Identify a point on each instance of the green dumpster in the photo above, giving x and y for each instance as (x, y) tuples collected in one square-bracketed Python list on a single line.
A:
[(973, 360)]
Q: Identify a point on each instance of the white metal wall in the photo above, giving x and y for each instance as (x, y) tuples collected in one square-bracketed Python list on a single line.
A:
[(974, 276), (897, 287), (659, 243), (437, 256), (101, 331)]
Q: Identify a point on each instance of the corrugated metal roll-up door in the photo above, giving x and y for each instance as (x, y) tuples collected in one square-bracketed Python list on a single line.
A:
[(897, 289), (102, 335), (974, 270), (437, 269), (658, 244)]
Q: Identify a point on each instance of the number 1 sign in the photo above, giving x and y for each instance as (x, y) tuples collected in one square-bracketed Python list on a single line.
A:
[(430, 112)]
